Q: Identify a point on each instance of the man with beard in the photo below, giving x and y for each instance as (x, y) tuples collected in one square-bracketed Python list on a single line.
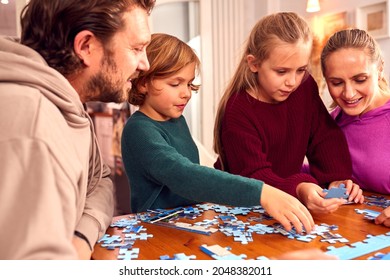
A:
[(56, 197)]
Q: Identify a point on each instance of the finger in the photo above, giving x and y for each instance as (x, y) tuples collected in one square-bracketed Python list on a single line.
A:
[(359, 197), (387, 222), (284, 222), (306, 218), (295, 221), (380, 218), (353, 194)]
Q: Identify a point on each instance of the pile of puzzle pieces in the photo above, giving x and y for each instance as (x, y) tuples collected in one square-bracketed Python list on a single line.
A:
[(227, 222)]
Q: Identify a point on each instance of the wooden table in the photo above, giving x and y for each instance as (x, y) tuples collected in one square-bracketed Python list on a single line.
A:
[(169, 241)]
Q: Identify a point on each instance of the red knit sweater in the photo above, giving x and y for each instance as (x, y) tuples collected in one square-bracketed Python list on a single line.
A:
[(269, 141)]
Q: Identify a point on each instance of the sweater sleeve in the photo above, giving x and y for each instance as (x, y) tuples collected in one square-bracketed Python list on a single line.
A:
[(99, 204), (328, 152), (243, 147), (163, 164)]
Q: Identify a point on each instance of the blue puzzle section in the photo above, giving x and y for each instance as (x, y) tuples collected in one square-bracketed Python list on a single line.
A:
[(369, 245)]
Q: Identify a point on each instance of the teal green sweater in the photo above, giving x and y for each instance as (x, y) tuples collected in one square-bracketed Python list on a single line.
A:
[(162, 164)]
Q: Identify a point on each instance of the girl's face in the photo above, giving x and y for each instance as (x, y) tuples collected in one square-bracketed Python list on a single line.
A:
[(166, 98), (353, 80), (282, 73)]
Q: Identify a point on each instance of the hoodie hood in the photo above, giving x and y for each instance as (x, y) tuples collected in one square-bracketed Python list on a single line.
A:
[(22, 65)]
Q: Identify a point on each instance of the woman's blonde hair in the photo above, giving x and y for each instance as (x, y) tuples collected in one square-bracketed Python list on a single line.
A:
[(287, 27), (356, 39), (167, 55)]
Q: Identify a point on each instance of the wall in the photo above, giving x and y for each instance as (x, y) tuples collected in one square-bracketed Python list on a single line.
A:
[(329, 7)]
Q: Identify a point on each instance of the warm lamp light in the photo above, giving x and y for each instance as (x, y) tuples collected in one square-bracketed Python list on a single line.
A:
[(312, 6)]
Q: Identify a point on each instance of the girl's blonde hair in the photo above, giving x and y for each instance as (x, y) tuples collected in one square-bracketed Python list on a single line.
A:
[(287, 27), (167, 55), (356, 39)]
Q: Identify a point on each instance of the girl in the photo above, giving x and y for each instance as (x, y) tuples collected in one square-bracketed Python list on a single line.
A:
[(271, 116), (353, 65), (160, 157)]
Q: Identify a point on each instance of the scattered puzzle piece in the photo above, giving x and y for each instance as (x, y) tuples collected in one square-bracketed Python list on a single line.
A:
[(243, 237), (122, 223), (333, 238), (205, 206), (108, 239), (128, 254), (379, 201), (369, 214), (219, 253), (261, 229), (141, 236)]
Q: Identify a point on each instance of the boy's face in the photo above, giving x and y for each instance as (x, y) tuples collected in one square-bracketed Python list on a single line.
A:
[(166, 98), (282, 73)]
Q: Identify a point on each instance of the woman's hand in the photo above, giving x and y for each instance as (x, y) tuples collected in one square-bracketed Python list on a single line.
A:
[(384, 217), (286, 209)]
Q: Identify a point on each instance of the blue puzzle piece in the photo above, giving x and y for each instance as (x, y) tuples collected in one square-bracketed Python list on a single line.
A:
[(108, 239), (369, 245), (128, 254), (135, 229), (141, 236), (220, 253), (261, 229), (243, 237), (122, 223), (369, 214), (339, 192), (379, 201)]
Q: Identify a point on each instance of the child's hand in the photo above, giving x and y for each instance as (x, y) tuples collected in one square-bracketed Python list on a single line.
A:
[(286, 209), (312, 196), (353, 190), (384, 217)]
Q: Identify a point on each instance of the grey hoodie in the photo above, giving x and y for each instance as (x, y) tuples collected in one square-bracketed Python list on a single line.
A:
[(52, 179)]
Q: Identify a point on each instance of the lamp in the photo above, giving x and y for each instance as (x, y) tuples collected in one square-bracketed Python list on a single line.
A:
[(312, 6)]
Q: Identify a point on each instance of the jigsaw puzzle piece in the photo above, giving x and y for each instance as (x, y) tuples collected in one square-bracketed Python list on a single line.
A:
[(220, 253), (339, 192), (369, 214), (108, 239), (128, 254)]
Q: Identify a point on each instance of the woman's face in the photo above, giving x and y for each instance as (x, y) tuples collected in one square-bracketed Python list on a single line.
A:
[(353, 81), (282, 73)]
